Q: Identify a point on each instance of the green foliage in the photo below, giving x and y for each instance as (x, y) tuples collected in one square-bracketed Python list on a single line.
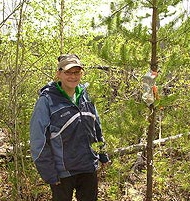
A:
[(124, 50), (172, 167), (129, 49)]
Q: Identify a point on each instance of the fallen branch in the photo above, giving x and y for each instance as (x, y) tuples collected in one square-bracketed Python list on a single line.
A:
[(140, 147)]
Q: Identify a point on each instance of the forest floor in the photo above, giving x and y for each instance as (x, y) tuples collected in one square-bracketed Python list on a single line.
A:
[(131, 192), (132, 188)]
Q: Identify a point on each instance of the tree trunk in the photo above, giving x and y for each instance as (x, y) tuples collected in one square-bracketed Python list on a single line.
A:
[(62, 26), (13, 106), (14, 94), (151, 134), (151, 129)]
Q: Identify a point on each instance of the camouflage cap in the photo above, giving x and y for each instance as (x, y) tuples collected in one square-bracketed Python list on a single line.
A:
[(65, 62)]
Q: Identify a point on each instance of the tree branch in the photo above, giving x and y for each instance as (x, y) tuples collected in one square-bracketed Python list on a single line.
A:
[(139, 147)]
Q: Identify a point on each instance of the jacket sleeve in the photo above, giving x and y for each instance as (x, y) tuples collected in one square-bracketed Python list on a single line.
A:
[(40, 149), (103, 156)]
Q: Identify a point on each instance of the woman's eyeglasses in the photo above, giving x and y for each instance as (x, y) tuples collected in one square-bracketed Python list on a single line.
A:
[(69, 73)]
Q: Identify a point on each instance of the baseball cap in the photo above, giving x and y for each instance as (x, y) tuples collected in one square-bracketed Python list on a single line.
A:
[(65, 62)]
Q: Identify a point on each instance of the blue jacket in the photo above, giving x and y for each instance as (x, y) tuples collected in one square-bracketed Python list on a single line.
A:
[(62, 134)]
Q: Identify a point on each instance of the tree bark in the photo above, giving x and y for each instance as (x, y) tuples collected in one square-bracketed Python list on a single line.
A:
[(151, 134), (151, 129), (62, 26), (14, 108)]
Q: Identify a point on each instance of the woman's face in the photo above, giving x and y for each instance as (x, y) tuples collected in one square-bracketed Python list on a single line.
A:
[(70, 78)]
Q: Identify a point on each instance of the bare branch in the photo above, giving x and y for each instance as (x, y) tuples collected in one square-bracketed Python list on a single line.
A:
[(16, 8), (140, 147)]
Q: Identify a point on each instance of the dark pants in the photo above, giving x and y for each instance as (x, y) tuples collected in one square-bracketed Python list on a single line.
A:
[(86, 186)]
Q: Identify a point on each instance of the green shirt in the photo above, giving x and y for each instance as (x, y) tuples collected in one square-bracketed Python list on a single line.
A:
[(77, 94)]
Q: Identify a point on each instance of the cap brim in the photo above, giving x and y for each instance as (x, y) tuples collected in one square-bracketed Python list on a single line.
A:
[(69, 66)]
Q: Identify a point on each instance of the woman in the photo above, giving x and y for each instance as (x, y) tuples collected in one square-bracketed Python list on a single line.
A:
[(63, 128)]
